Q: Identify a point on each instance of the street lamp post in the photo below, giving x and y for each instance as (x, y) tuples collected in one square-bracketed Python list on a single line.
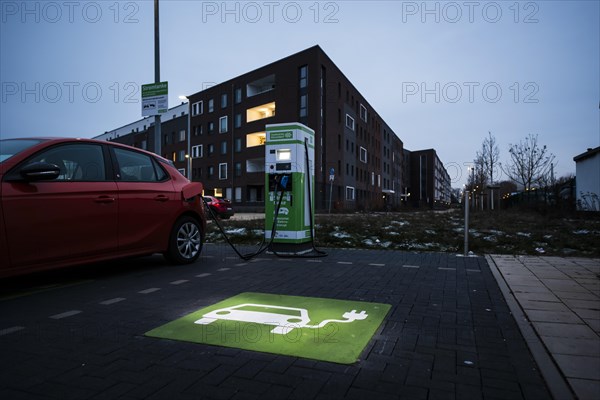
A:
[(188, 156)]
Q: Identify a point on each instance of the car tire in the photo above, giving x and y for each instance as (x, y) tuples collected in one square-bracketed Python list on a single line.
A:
[(185, 241)]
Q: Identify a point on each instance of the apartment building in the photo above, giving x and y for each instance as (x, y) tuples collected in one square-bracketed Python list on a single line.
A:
[(227, 136), (430, 184)]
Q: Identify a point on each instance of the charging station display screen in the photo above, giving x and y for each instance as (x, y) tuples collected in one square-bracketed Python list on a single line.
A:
[(283, 154)]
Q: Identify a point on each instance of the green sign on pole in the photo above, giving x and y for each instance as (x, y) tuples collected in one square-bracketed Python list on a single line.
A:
[(155, 98)]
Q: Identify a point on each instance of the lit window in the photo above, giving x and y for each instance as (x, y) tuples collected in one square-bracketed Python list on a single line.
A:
[(256, 139), (260, 112)]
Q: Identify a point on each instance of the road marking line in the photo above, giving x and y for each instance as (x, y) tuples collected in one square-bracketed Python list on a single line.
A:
[(377, 265), (241, 264), (345, 262), (314, 261), (410, 266), (473, 270), (179, 282), (204, 275), (112, 301), (447, 269), (151, 290), (10, 330), (223, 269), (66, 314)]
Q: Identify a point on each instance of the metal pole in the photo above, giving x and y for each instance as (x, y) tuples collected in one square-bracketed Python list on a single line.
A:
[(330, 194), (157, 134), (466, 223)]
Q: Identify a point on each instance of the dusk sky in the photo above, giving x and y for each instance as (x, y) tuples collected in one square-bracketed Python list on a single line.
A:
[(441, 74)]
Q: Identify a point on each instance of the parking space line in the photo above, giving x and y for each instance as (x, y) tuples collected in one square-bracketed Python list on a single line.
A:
[(410, 266), (179, 282), (204, 275), (315, 261), (112, 301), (447, 269), (10, 330), (473, 270), (345, 262), (241, 264), (151, 290), (223, 269), (376, 265), (66, 314)]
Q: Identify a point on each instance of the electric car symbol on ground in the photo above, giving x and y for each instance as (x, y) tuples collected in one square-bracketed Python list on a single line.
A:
[(284, 323)]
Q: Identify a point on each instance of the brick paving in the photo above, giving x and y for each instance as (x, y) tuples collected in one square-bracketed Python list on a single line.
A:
[(449, 335)]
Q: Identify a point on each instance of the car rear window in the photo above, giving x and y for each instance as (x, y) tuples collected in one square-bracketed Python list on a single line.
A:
[(11, 147)]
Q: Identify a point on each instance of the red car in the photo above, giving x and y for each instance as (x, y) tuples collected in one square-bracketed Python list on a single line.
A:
[(75, 201), (220, 207)]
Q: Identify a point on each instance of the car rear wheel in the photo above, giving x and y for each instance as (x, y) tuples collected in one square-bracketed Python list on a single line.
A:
[(185, 242)]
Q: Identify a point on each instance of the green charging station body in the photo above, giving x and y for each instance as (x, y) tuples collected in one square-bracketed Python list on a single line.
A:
[(286, 163)]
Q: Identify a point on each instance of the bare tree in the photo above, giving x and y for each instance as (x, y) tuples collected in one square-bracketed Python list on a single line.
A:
[(489, 157), (530, 164)]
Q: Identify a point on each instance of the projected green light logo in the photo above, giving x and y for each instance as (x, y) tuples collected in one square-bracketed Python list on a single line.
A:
[(308, 327)]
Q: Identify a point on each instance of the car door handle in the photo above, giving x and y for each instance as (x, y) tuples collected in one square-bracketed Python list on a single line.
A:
[(161, 198), (105, 199)]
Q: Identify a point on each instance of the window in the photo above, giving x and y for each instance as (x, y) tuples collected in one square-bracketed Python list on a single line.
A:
[(223, 124), (238, 95), (256, 139), (197, 151), (260, 112), (211, 172), (182, 135), (303, 105), (260, 86), (166, 139), (197, 108), (77, 162), (237, 171), (363, 113), (224, 100), (181, 171), (238, 120), (349, 122), (135, 166), (238, 145), (238, 194), (211, 105), (223, 171), (211, 149), (303, 72), (349, 193), (211, 128), (181, 155), (224, 147), (363, 154)]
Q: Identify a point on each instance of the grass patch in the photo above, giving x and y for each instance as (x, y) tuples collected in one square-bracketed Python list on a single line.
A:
[(499, 232)]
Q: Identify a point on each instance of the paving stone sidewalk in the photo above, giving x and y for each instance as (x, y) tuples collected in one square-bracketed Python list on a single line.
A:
[(449, 335), (560, 298)]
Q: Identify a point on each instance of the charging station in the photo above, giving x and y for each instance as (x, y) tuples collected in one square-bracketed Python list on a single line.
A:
[(289, 169)]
